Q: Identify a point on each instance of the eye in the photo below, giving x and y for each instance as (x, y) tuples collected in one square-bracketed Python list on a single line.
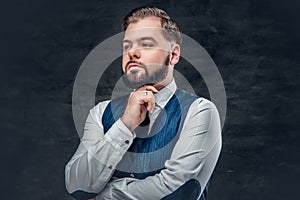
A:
[(147, 45), (126, 47)]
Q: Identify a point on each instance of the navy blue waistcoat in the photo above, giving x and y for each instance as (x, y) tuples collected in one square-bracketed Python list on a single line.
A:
[(146, 156)]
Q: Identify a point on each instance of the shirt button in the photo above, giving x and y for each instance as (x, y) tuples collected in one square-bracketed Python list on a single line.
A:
[(131, 175), (127, 141)]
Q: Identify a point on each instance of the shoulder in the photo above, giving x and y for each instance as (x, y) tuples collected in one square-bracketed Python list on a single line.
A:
[(201, 104), (204, 117), (197, 101), (99, 108)]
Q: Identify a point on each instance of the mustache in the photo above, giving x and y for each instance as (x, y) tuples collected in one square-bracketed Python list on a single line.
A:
[(134, 61)]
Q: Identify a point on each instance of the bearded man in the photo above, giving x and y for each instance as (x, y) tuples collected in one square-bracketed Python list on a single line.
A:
[(159, 142)]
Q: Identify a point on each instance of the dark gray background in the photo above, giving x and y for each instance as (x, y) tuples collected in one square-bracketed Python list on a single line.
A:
[(255, 44)]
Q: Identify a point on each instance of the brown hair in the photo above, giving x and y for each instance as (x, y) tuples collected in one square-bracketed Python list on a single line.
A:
[(172, 32)]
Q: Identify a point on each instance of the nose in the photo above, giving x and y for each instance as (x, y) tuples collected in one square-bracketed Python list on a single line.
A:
[(134, 53)]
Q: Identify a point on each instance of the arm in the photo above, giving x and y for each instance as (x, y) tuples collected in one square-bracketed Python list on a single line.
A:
[(93, 164), (193, 157), (98, 154)]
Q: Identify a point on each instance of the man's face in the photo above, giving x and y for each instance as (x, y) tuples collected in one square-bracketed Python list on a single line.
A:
[(146, 53)]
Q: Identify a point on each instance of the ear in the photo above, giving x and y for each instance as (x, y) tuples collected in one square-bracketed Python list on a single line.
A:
[(175, 54)]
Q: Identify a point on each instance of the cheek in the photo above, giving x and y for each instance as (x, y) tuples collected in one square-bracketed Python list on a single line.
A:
[(157, 57), (124, 62)]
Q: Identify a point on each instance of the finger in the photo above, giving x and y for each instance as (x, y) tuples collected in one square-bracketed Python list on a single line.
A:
[(150, 102), (131, 93), (147, 99), (143, 96), (148, 88), (151, 106), (147, 93)]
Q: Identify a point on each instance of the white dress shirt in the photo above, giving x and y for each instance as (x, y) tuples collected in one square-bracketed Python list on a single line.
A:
[(193, 157)]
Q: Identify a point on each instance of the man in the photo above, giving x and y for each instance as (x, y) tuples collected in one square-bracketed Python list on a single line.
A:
[(159, 142)]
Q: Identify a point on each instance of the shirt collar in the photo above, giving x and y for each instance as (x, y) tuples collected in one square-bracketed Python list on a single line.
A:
[(165, 94)]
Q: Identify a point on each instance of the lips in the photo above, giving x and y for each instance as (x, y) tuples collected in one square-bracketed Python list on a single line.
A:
[(131, 64)]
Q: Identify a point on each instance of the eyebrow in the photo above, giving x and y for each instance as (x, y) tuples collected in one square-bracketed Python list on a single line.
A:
[(142, 39)]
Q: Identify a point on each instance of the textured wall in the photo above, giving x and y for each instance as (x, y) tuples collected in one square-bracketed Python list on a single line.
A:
[(255, 44)]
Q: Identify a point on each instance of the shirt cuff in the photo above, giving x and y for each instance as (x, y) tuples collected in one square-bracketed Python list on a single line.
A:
[(120, 136), (124, 128)]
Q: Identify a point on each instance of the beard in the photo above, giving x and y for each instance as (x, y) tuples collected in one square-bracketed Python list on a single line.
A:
[(132, 80)]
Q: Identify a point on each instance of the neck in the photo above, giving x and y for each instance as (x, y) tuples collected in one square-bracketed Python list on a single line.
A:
[(166, 81), (162, 84)]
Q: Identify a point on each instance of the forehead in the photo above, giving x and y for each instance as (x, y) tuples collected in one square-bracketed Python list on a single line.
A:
[(146, 27), (150, 21)]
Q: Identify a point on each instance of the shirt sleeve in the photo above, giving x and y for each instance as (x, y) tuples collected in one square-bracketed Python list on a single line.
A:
[(193, 157), (97, 155)]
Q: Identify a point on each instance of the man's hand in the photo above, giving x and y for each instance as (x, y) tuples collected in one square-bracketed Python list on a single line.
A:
[(139, 102)]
